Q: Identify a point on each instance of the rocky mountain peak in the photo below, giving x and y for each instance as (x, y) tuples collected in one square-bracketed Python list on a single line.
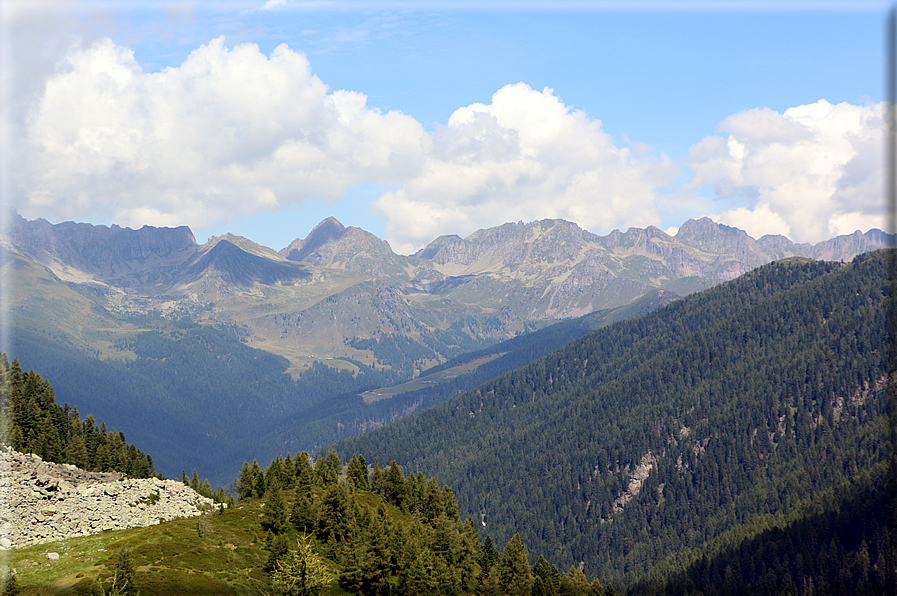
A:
[(439, 249), (706, 231), (330, 244)]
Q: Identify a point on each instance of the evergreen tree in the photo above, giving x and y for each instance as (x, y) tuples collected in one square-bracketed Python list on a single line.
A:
[(513, 569), (546, 578), (245, 483), (304, 514), (394, 485), (334, 517), (574, 583), (278, 546), (259, 487), (332, 466), (491, 584), (76, 452), (489, 556), (123, 575), (274, 517), (357, 472), (303, 469)]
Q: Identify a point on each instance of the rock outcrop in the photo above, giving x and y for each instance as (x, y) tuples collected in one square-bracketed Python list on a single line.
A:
[(44, 502), (72, 249)]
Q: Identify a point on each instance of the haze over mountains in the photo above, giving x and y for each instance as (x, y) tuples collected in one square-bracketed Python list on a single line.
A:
[(338, 311)]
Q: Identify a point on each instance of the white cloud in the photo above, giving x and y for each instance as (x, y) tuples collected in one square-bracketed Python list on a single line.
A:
[(233, 132), (813, 172), (229, 131), (524, 156)]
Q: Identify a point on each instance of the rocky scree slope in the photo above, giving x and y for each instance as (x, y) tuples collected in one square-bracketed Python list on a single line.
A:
[(43, 502)]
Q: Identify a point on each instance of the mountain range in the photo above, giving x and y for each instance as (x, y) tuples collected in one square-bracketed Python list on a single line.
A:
[(106, 311), (492, 285)]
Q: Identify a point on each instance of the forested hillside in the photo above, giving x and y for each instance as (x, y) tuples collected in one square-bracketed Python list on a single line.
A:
[(659, 434), (32, 422), (387, 533), (304, 526)]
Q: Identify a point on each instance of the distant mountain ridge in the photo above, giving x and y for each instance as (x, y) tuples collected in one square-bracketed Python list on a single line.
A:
[(342, 310), (492, 285), (110, 252)]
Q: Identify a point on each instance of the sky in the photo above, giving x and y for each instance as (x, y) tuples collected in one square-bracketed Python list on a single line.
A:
[(413, 120)]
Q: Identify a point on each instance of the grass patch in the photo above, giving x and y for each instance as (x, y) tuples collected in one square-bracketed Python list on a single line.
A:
[(169, 558)]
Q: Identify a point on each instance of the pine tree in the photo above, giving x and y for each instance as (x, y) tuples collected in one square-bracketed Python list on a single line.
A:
[(123, 575), (246, 482), (304, 515), (357, 472), (490, 556), (394, 485), (332, 466), (546, 579), (513, 570), (377, 478), (278, 546), (333, 519), (420, 577), (76, 452), (258, 489), (274, 517), (574, 583), (303, 470)]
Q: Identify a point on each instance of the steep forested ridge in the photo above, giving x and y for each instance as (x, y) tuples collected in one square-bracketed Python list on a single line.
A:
[(840, 542), (658, 434), (32, 422)]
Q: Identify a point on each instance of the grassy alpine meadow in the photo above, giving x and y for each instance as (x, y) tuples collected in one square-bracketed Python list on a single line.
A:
[(216, 553)]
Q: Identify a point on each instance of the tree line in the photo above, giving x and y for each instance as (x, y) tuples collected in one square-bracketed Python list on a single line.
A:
[(38, 425), (380, 531)]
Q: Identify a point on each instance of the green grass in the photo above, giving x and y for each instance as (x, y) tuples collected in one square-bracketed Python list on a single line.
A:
[(169, 559)]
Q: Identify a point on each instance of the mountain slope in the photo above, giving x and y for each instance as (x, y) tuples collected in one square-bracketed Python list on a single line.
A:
[(659, 433), (350, 316), (242, 269)]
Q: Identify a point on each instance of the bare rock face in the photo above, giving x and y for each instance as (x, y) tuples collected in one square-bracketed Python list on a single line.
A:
[(44, 502), (105, 252)]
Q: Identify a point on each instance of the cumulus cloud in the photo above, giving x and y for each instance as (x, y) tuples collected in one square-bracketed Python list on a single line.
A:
[(524, 156), (229, 131), (810, 173), (232, 132)]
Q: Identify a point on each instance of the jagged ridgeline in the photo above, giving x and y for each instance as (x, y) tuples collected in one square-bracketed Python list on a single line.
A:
[(657, 435), (35, 423)]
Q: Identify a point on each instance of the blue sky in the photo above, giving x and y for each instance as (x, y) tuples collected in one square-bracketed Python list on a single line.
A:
[(609, 115)]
